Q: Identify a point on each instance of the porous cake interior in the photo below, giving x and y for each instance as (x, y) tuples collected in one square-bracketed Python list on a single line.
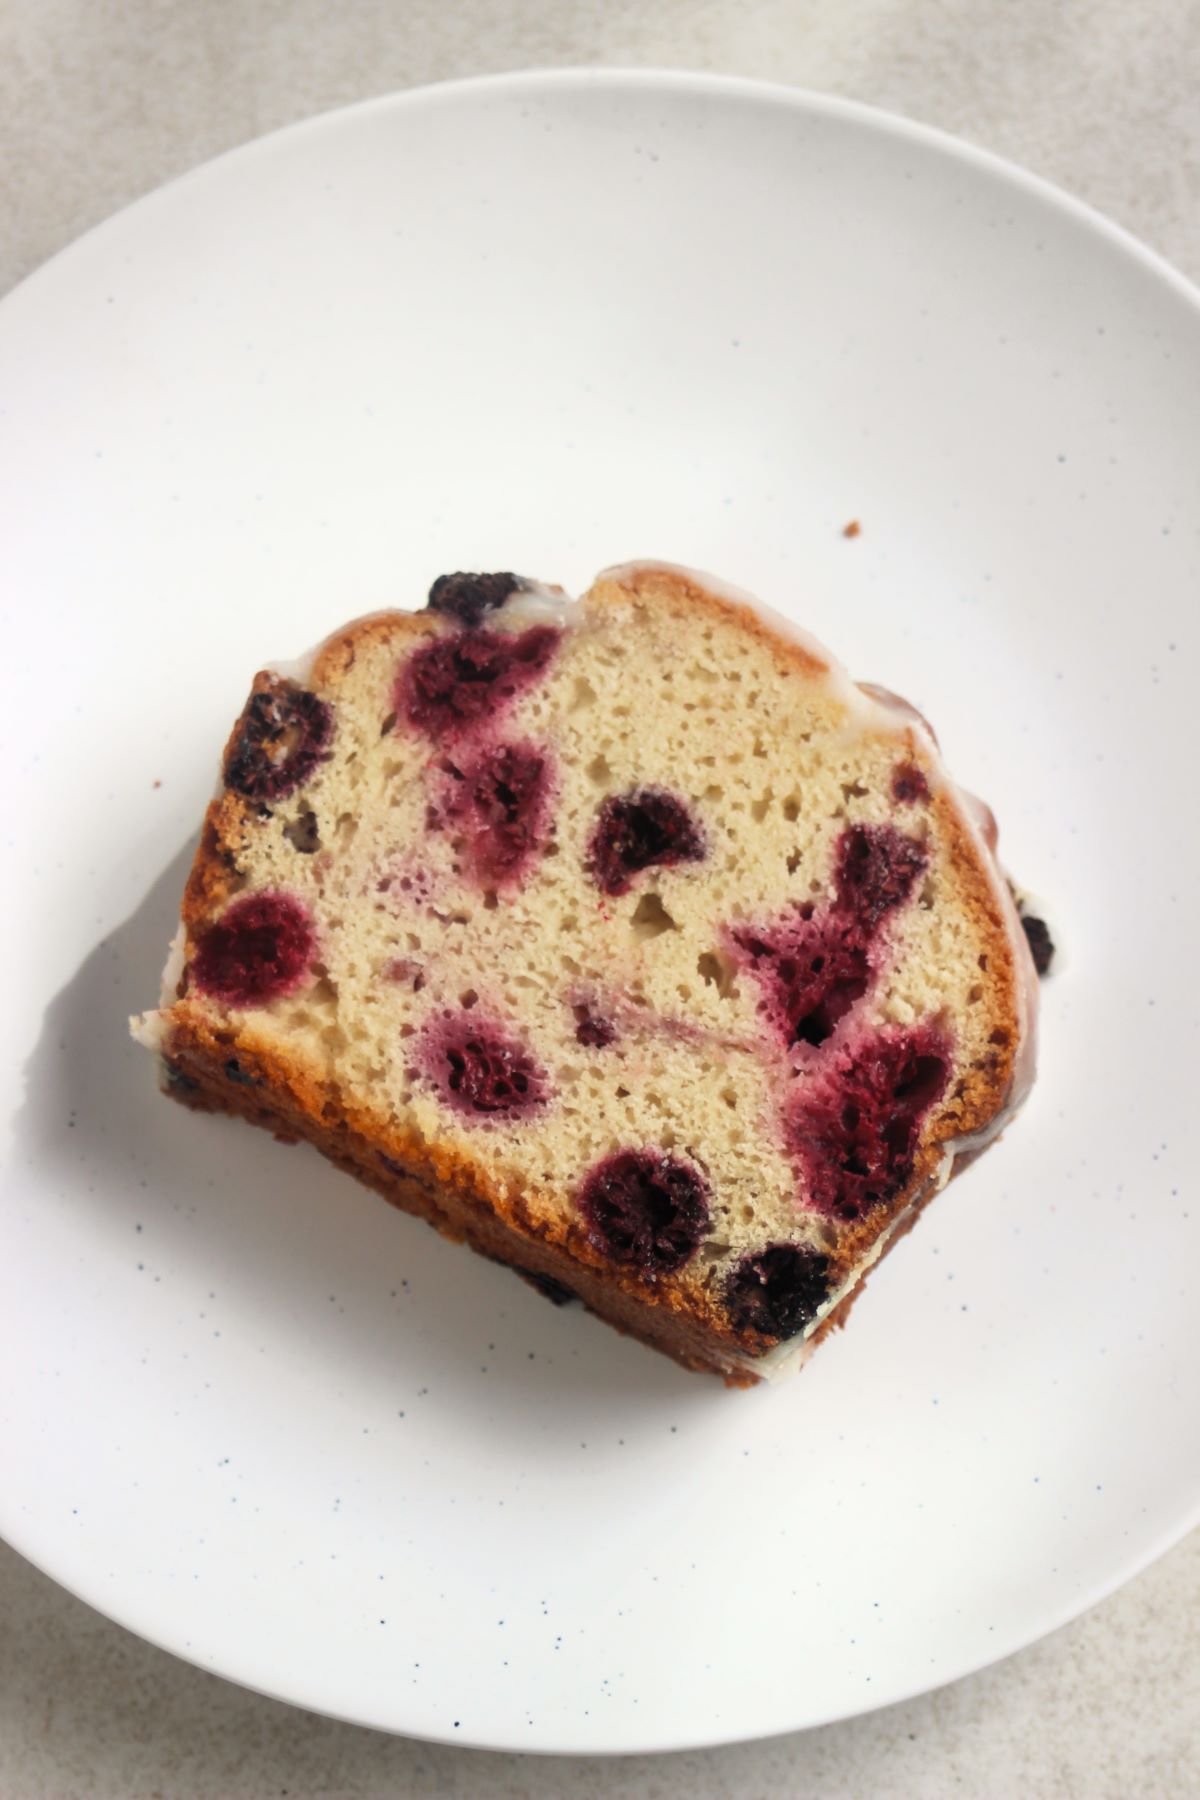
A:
[(633, 902)]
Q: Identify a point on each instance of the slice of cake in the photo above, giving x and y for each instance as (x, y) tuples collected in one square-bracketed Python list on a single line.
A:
[(625, 939)]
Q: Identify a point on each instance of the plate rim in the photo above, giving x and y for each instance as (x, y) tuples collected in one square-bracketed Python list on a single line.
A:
[(668, 80), (884, 120)]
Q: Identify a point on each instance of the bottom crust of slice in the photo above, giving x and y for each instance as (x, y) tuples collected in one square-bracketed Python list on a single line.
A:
[(450, 1211), (547, 1266)]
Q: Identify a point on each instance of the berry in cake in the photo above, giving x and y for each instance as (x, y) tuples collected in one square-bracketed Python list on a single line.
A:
[(854, 1128), (283, 735), (480, 1070), (779, 1290), (645, 1211), (647, 829), (259, 949), (454, 684), (468, 598), (496, 800)]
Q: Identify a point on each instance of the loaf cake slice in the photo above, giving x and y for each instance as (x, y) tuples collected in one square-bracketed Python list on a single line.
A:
[(625, 939)]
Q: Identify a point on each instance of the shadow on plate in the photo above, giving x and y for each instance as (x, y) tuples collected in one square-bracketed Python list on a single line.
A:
[(281, 1243)]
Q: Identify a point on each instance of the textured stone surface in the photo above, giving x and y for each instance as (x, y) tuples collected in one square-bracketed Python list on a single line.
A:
[(100, 102), (1104, 1710)]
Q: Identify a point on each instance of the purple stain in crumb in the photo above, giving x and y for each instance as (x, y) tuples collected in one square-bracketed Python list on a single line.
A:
[(875, 871), (814, 964), (648, 828), (854, 1126), (258, 950), (811, 972), (909, 784), (403, 879), (778, 1290), (481, 1071), (498, 800), (645, 1210), (451, 684), (468, 597), (280, 738), (404, 971)]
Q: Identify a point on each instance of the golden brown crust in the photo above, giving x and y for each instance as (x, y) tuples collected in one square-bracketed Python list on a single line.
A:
[(336, 656), (664, 585)]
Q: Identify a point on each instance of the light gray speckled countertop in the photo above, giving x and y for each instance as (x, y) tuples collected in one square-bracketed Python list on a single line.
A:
[(100, 102)]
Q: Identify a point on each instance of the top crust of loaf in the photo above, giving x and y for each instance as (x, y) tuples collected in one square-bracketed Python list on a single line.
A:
[(302, 1080)]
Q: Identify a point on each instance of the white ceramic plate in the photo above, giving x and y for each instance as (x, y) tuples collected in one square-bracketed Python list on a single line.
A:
[(548, 322)]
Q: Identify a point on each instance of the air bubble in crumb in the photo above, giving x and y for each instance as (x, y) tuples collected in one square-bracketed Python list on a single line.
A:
[(651, 918), (717, 971), (304, 834)]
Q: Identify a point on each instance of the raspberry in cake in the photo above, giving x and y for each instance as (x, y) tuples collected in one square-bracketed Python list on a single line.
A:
[(625, 938)]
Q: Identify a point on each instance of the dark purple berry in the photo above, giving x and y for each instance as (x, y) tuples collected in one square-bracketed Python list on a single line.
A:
[(778, 1290), (1041, 944), (646, 829), (281, 737), (468, 597), (909, 784), (854, 1127), (452, 683), (647, 1211), (814, 965), (876, 869), (592, 1030), (259, 950), (481, 1071)]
